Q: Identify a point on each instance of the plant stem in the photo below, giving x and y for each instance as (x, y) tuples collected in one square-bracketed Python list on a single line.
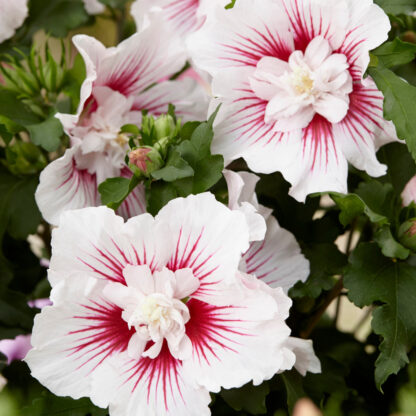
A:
[(316, 317)]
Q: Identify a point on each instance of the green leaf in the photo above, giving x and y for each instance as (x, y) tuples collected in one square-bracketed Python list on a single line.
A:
[(188, 129), (47, 134), (50, 405), (399, 99), (174, 169), (370, 278), (401, 166), (18, 210), (326, 261), (13, 109), (395, 53), (369, 198), (389, 246), (159, 195), (5, 134), (397, 6), (249, 398), (294, 388), (56, 17), (113, 191), (197, 152)]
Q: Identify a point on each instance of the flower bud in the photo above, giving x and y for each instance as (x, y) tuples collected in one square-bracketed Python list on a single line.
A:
[(165, 126), (144, 160), (407, 234)]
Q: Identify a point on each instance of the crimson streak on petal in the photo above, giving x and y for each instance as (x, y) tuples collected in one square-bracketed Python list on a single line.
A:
[(104, 333)]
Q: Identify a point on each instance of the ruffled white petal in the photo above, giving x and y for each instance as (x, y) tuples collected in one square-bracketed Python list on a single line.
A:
[(364, 129), (240, 129), (63, 186), (74, 337), (368, 27), (209, 238), (242, 196), (12, 16), (188, 96), (311, 18), (150, 387), (240, 341), (242, 36), (97, 242), (306, 360), (277, 260)]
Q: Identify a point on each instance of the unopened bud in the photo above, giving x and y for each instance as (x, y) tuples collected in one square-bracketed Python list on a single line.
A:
[(407, 234), (144, 160), (165, 126)]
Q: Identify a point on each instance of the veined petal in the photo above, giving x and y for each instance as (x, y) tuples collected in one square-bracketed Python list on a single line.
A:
[(368, 27), (141, 60), (209, 238), (323, 165), (189, 98), (91, 50), (135, 64), (239, 341), (277, 260), (181, 15), (242, 36), (240, 129), (364, 129), (152, 387), (75, 336), (311, 18), (62, 186), (97, 242)]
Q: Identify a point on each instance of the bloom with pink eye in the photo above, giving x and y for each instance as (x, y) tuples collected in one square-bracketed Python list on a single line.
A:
[(289, 75), (120, 83), (151, 315)]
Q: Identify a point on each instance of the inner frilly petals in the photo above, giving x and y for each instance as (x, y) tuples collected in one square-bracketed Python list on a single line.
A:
[(139, 277), (310, 83), (189, 284), (298, 121), (317, 52), (153, 305), (334, 108), (136, 346)]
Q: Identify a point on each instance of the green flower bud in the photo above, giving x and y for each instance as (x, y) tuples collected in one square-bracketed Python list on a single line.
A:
[(144, 160), (165, 126), (407, 234)]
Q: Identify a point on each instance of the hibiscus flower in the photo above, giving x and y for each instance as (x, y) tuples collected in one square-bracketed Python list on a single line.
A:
[(120, 82), (289, 75), (151, 315)]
